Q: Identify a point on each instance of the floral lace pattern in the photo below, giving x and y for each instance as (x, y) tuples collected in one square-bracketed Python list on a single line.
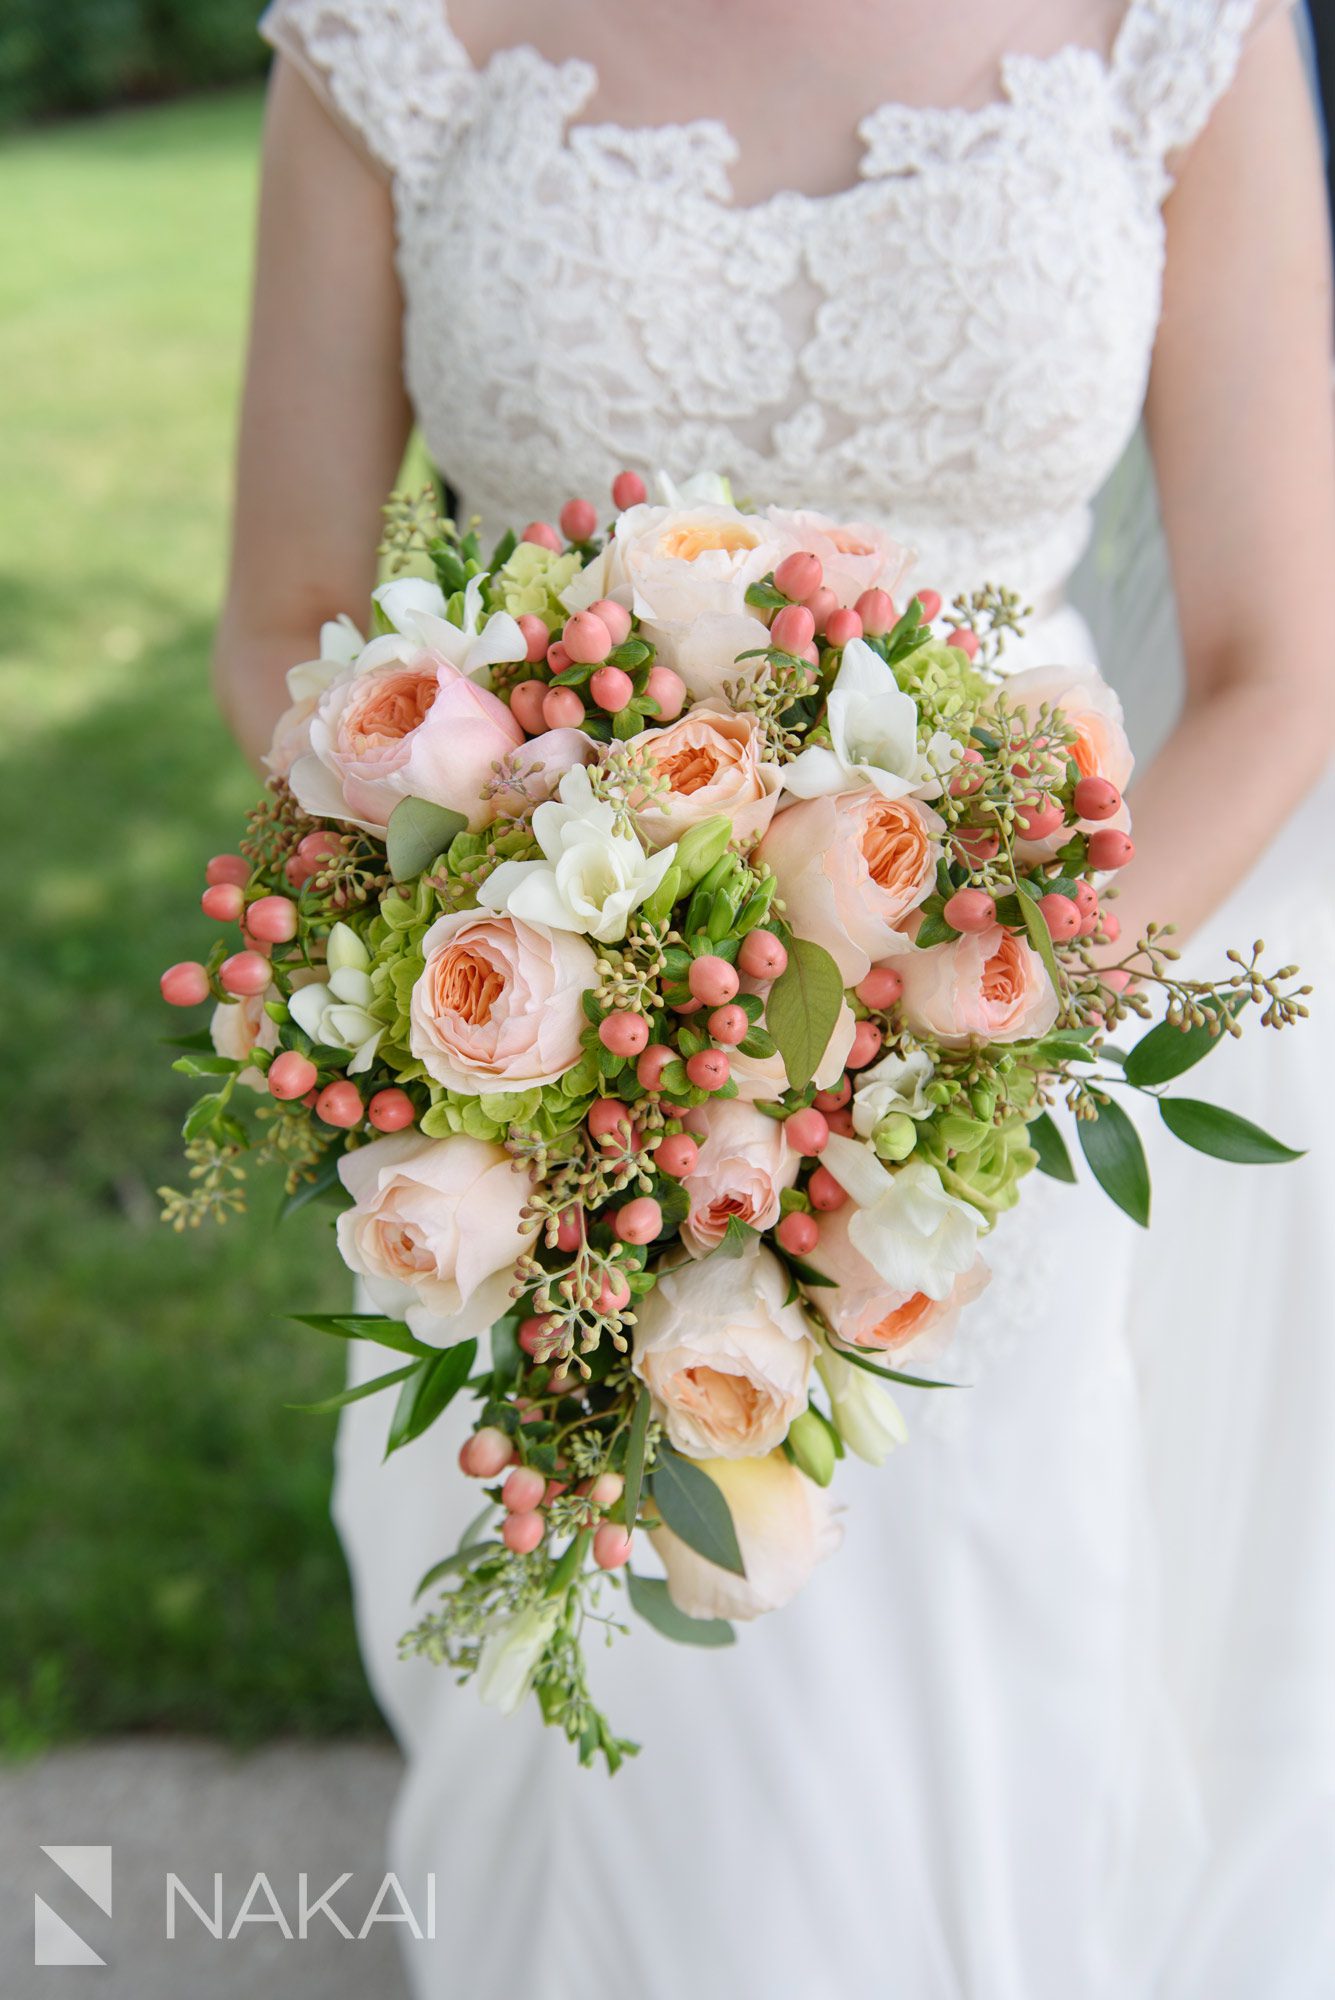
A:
[(581, 296)]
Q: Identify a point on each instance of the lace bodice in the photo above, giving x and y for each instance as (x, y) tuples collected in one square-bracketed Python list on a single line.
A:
[(956, 346)]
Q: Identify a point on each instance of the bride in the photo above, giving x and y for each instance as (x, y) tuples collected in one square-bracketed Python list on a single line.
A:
[(1059, 1721)]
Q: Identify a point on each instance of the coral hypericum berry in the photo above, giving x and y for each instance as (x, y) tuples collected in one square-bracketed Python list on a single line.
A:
[(291, 1075), (628, 490), (184, 985)]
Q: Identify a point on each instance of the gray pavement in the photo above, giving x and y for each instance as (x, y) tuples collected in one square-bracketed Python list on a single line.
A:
[(217, 1822)]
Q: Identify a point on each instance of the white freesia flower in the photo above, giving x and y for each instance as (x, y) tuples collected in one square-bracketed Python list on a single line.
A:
[(702, 489), (873, 729), (335, 1010), (512, 1653), (866, 1415), (918, 1237), (897, 1083), (592, 876), (415, 607)]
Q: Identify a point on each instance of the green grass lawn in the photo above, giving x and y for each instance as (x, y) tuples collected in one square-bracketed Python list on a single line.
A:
[(163, 1526)]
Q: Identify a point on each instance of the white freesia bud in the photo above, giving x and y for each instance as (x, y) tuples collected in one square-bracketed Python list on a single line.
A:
[(873, 729), (512, 1654), (866, 1416)]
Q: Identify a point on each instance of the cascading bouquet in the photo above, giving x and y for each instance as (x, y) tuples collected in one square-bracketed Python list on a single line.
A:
[(668, 956)]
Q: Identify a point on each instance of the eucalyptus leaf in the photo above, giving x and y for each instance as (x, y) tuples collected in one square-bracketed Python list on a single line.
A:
[(1048, 1143), (1222, 1134), (1111, 1144), (694, 1508), (1039, 935), (649, 1596), (417, 832), (803, 1008)]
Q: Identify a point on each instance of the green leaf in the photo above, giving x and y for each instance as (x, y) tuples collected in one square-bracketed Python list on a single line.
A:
[(1039, 935), (766, 595), (346, 1396), (417, 832), (1222, 1134), (802, 1009), (635, 1443), (1111, 1144), (736, 1237), (808, 1273), (649, 1596), (430, 1388), (892, 1374), (1048, 1143), (204, 1112), (696, 1511), (462, 1558), (933, 930), (1167, 1052), (201, 1065), (367, 1326)]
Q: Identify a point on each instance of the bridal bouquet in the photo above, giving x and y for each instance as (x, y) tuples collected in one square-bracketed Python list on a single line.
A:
[(667, 954)]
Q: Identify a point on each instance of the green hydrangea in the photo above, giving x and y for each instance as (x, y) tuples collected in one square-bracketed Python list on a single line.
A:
[(531, 580), (981, 1162), (544, 1114), (948, 690)]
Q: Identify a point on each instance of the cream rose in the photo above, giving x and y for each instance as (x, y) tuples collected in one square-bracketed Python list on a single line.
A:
[(685, 572), (785, 1526), (498, 1003), (861, 1307), (852, 869), (711, 762), (403, 723), (854, 556), (726, 1361), (989, 984), (1101, 748), (744, 1164), (438, 1222)]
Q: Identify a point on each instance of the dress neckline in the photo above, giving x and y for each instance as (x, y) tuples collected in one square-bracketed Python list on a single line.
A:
[(891, 132)]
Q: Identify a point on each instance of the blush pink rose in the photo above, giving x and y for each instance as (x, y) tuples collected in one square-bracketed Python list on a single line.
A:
[(854, 556), (498, 1004), (712, 762), (1101, 748), (439, 1221), (990, 985), (852, 868), (763, 1079), (239, 1026), (403, 724), (744, 1165), (530, 775), (861, 1308)]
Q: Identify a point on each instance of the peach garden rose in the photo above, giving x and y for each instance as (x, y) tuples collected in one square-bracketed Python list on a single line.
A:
[(711, 761), (725, 1358), (864, 1311), (988, 985), (785, 1524), (745, 1162), (852, 868), (498, 1004)]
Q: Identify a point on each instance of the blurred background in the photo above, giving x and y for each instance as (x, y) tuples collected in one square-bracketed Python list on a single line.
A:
[(172, 1583)]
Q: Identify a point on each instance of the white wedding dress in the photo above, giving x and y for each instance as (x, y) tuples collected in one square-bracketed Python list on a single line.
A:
[(1058, 1721)]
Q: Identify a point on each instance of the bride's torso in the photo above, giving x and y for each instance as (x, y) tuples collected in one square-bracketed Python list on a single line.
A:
[(956, 342)]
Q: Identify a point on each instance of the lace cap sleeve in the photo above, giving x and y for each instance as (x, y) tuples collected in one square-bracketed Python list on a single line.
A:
[(1172, 62), (391, 71)]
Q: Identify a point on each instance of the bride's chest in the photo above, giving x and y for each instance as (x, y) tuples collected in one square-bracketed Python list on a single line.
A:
[(979, 308)]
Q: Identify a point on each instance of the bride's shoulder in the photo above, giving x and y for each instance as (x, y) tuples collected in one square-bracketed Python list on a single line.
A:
[(392, 71), (1174, 59)]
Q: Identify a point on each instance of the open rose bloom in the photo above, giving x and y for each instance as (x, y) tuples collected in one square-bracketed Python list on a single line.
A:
[(672, 955)]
